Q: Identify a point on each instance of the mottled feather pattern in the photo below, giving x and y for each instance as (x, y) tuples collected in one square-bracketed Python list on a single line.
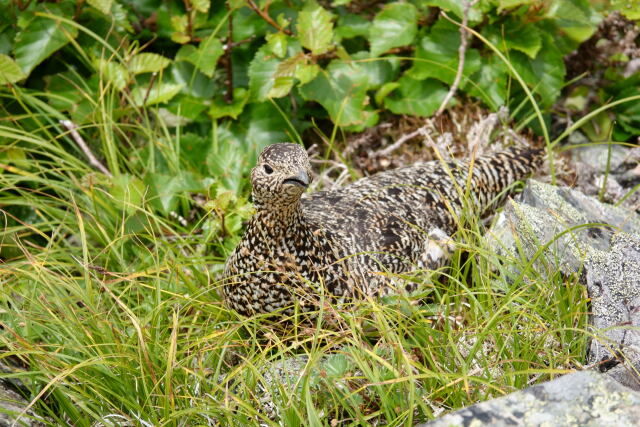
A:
[(349, 242)]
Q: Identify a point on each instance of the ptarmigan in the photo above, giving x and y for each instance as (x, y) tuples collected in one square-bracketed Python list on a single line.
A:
[(351, 241)]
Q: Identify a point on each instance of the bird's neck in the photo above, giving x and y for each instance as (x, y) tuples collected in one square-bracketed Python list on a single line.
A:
[(282, 220)]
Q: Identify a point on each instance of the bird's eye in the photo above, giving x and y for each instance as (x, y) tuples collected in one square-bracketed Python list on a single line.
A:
[(268, 169)]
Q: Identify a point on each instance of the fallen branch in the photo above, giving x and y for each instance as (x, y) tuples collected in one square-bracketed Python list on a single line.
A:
[(462, 50), (93, 161)]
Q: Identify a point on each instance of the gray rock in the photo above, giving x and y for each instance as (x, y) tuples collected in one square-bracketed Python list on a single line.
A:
[(579, 399), (602, 243), (613, 284), (11, 406), (615, 182)]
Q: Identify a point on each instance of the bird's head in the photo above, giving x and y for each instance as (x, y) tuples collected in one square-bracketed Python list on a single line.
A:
[(280, 176)]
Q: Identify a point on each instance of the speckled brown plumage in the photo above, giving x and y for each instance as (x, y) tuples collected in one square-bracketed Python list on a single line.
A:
[(352, 240)]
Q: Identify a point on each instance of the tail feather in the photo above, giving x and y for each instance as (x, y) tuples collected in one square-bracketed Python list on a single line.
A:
[(494, 175)]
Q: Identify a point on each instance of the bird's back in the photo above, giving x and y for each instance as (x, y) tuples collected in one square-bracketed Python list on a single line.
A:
[(390, 218)]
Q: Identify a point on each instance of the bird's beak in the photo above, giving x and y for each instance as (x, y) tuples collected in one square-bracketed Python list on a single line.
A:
[(301, 179)]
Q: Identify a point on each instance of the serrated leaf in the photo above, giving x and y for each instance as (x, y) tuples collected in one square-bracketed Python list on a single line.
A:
[(416, 97), (167, 189), (508, 4), (342, 90), (380, 71), (491, 82), (159, 93), (148, 63), (205, 57), (277, 43), (457, 7), (128, 191), (120, 17), (545, 73), (281, 87), (515, 35), (113, 72), (195, 83), (315, 28), (437, 55), (103, 6), (576, 18), (187, 107), (10, 72), (396, 25), (262, 74), (42, 37), (179, 24), (221, 108), (351, 25), (306, 72)]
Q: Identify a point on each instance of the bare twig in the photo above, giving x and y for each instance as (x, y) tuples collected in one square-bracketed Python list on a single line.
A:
[(93, 161), (404, 138), (264, 15), (462, 50), (189, 10)]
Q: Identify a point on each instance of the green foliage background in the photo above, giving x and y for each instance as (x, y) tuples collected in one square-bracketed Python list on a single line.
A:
[(105, 296)]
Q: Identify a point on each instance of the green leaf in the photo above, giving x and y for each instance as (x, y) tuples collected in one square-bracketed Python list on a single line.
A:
[(306, 72), (277, 43), (148, 63), (201, 6), (220, 107), (417, 97), (159, 93), (113, 72), (508, 4), (281, 87), (437, 55), (103, 6), (10, 72), (167, 189), (315, 28), (261, 74), (194, 149), (188, 107), (42, 37), (205, 57), (351, 25), (266, 126), (515, 35), (629, 8), (491, 82), (342, 90), (379, 70), (457, 7), (180, 23), (576, 18), (127, 191), (544, 74), (396, 25), (194, 82)]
